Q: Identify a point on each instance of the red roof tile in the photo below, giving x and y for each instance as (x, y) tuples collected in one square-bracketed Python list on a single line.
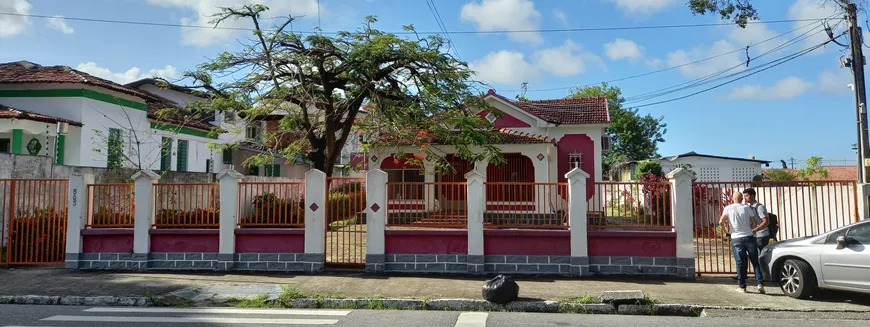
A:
[(835, 173), (9, 113), (579, 111), (507, 136)]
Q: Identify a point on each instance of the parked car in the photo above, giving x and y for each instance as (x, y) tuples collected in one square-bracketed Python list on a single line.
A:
[(838, 260)]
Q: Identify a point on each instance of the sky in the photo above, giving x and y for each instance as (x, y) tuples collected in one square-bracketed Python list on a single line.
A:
[(800, 108)]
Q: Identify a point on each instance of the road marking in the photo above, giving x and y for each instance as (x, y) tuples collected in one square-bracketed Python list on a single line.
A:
[(471, 319), (213, 320), (297, 312)]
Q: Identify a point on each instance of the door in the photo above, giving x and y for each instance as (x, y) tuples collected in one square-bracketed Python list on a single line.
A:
[(849, 266)]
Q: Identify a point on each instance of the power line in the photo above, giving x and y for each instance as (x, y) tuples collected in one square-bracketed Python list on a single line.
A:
[(563, 30), (440, 22), (677, 66), (777, 63)]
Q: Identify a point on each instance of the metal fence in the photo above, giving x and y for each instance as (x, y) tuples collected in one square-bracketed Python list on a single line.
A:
[(427, 205), (630, 205), (526, 205), (34, 221), (345, 220), (271, 204), (110, 206), (186, 205)]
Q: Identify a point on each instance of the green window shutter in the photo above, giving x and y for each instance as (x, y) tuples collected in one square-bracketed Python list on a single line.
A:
[(254, 170), (61, 146), (273, 170), (115, 147), (228, 156), (182, 156), (166, 154)]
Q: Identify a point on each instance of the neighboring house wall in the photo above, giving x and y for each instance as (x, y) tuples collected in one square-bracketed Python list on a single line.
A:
[(715, 169)]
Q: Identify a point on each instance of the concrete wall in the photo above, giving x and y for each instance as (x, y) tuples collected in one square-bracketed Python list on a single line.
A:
[(25, 166), (715, 170)]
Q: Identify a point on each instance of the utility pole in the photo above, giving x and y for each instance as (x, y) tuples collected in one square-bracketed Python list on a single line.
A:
[(857, 65), (791, 160)]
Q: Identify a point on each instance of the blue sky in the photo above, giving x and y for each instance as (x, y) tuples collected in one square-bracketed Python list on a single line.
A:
[(798, 109)]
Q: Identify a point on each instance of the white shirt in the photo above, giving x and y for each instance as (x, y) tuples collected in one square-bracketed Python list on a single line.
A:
[(740, 218), (760, 213)]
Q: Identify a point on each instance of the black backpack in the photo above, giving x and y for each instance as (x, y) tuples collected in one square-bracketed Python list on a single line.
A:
[(772, 224)]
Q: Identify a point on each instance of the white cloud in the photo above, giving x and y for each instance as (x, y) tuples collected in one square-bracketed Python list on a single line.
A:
[(561, 16), (567, 59), (133, 74), (836, 81), (683, 58), (57, 22), (623, 49), (787, 88), (654, 63), (753, 35), (645, 6), (503, 67), (814, 9), (13, 25), (203, 9), (503, 15)]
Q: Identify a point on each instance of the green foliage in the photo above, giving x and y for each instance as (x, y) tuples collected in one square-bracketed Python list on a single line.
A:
[(779, 175), (270, 211), (813, 168), (649, 167), (739, 11), (320, 83), (196, 218), (632, 136)]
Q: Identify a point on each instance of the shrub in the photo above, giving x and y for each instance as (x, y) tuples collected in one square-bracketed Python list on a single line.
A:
[(345, 205), (196, 218), (647, 167), (40, 235), (105, 216), (347, 187), (269, 209), (658, 197)]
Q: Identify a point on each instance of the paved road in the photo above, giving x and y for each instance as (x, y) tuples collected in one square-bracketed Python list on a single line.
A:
[(70, 316)]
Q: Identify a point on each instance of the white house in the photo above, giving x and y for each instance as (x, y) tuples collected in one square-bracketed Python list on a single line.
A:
[(707, 168)]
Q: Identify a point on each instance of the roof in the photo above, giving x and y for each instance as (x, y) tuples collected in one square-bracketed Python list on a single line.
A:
[(578, 111), (694, 154), (10, 113), (835, 173), (160, 83), (25, 72), (507, 136)]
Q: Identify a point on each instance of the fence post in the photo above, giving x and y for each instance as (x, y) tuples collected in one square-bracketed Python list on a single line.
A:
[(315, 220), (376, 220), (229, 210), (77, 216), (476, 203), (577, 210), (143, 215), (683, 219)]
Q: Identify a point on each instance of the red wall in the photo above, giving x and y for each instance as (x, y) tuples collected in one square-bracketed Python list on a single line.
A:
[(584, 145), (112, 240), (268, 240), (506, 121), (185, 240), (633, 244), (527, 242), (426, 242)]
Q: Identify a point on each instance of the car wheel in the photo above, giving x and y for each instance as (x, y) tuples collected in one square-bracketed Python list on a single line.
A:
[(797, 279)]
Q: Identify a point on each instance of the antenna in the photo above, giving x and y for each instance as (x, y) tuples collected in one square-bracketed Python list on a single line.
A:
[(525, 88)]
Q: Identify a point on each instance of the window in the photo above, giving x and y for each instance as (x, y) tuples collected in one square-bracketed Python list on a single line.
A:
[(115, 146), (182, 156), (254, 170), (832, 239), (605, 143), (860, 233), (254, 130), (407, 191), (228, 156), (208, 166), (166, 154), (273, 170), (575, 159), (5, 146)]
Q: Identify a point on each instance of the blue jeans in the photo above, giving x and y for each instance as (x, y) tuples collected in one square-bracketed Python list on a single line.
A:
[(741, 248)]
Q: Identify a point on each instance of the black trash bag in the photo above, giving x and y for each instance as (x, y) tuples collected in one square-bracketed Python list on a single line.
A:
[(501, 290)]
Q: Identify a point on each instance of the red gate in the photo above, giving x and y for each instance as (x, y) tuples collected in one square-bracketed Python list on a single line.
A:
[(345, 234), (34, 221), (803, 208)]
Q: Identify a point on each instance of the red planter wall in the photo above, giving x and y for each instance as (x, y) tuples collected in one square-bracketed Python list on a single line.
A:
[(185, 240), (527, 242), (426, 242), (268, 240), (633, 244), (109, 240)]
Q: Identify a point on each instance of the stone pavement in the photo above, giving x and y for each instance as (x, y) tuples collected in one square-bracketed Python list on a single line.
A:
[(705, 291)]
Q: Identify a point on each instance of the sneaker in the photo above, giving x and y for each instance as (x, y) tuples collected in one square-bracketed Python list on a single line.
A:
[(761, 289), (742, 289)]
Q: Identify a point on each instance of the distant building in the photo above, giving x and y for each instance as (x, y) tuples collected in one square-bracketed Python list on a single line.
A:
[(707, 168)]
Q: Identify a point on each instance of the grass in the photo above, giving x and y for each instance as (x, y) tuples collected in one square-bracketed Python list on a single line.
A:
[(574, 305)]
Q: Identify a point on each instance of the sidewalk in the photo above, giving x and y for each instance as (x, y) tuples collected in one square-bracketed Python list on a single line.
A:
[(705, 291)]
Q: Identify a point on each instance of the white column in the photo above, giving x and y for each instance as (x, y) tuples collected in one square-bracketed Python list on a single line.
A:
[(543, 196), (429, 196), (229, 206), (315, 220), (683, 218), (77, 216), (577, 209), (144, 212), (376, 219), (476, 206)]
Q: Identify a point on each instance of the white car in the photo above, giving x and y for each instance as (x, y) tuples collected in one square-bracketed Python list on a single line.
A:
[(838, 260)]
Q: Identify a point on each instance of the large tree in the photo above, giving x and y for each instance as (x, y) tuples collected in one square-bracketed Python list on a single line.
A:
[(633, 137), (742, 11), (412, 89)]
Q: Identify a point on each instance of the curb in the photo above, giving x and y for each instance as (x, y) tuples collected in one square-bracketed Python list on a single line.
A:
[(94, 301)]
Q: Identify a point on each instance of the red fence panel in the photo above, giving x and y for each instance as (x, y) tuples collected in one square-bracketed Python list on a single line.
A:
[(427, 204), (187, 205), (110, 205), (271, 204), (526, 205), (35, 216), (630, 205)]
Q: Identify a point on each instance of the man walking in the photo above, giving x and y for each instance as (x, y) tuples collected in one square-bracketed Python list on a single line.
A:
[(762, 234), (738, 220)]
